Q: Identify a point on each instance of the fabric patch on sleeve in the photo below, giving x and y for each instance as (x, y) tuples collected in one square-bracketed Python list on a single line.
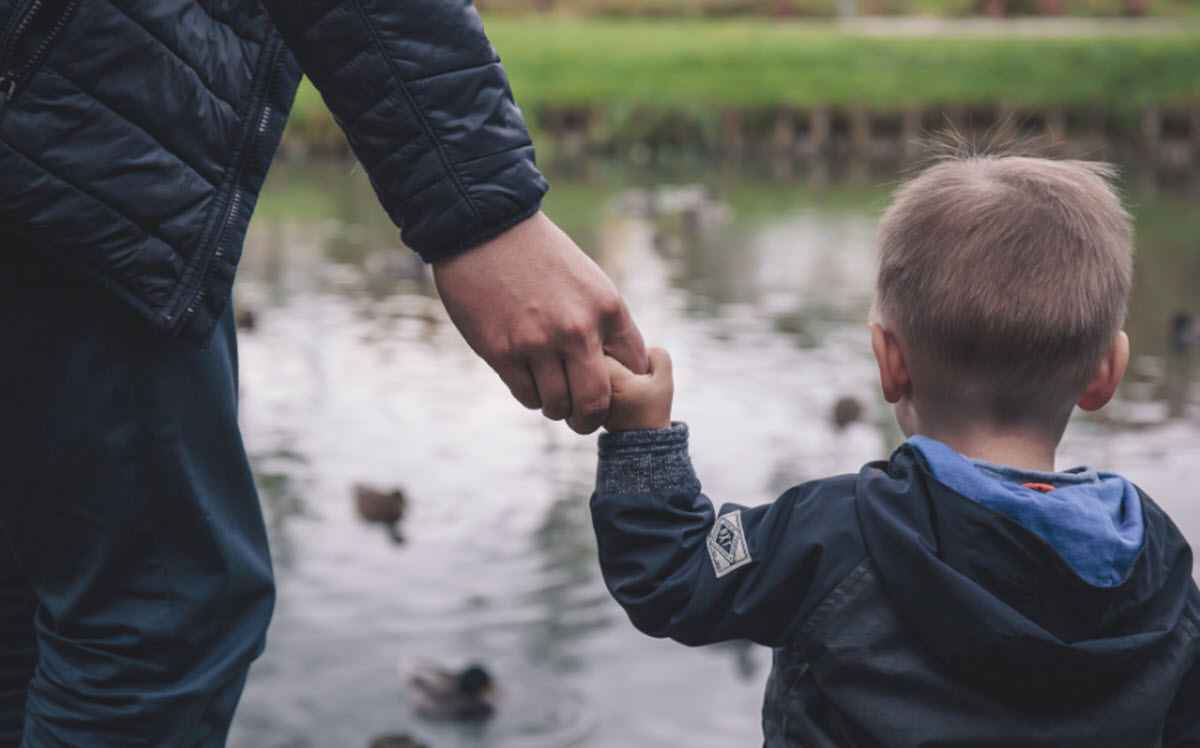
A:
[(727, 544)]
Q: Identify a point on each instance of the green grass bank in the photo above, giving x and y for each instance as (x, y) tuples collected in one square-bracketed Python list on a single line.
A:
[(830, 8), (701, 67)]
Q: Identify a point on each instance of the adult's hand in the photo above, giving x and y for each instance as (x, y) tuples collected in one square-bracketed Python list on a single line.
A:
[(543, 315)]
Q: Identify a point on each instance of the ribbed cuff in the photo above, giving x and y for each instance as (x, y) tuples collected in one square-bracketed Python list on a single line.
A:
[(646, 462)]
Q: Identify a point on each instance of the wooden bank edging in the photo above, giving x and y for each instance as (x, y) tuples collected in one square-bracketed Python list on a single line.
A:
[(1169, 136)]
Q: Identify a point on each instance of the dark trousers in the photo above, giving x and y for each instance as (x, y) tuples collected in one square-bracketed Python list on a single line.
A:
[(135, 580)]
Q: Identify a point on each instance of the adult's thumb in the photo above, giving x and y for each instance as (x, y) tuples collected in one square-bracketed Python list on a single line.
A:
[(623, 341)]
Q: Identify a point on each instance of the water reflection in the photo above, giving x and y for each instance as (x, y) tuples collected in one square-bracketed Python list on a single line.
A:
[(758, 283), (280, 477)]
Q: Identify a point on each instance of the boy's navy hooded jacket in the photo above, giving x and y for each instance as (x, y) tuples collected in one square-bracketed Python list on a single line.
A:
[(902, 612), (135, 134)]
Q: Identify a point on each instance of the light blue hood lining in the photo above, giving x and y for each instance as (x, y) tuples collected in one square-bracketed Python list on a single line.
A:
[(1093, 520)]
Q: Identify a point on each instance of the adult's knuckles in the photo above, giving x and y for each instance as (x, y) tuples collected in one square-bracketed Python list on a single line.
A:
[(610, 306), (529, 344), (575, 332)]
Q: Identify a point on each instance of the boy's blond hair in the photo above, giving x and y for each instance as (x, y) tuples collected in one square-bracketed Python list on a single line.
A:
[(1007, 277)]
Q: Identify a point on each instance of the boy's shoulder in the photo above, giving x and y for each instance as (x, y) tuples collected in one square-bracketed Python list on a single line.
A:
[(832, 502), (841, 486), (822, 509), (848, 487)]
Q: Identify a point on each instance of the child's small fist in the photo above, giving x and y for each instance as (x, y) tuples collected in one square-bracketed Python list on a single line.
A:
[(641, 401)]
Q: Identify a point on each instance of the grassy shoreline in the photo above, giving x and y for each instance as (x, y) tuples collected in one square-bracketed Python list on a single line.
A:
[(700, 66)]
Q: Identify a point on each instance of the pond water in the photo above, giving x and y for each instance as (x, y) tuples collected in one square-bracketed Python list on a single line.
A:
[(759, 286)]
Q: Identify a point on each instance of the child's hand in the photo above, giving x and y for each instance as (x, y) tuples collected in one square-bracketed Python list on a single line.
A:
[(641, 401)]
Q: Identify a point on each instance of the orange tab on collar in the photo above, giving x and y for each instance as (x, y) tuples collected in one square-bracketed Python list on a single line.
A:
[(1043, 487)]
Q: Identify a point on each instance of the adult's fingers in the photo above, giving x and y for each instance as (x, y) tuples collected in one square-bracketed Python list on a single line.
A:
[(591, 392), (623, 341), (520, 383), (552, 386)]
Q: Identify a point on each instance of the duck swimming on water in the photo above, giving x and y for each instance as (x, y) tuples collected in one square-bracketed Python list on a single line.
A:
[(246, 319), (382, 507), (442, 694), (846, 411)]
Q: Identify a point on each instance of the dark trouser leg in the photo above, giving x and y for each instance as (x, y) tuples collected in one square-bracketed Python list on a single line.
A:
[(18, 649), (130, 508)]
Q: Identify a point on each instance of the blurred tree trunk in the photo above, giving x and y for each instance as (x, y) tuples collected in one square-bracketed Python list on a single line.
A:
[(1137, 7), (995, 8)]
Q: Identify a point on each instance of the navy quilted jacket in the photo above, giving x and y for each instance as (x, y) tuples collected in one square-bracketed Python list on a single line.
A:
[(135, 134)]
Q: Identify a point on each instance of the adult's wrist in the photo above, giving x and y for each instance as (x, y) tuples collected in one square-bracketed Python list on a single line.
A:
[(442, 256)]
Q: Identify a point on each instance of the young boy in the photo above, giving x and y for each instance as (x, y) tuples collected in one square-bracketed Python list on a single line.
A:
[(962, 593)]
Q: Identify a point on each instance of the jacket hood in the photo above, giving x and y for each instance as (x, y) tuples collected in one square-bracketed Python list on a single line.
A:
[(999, 603), (1092, 520)]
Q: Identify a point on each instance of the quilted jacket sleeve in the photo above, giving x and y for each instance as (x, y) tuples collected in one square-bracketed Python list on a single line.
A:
[(427, 109)]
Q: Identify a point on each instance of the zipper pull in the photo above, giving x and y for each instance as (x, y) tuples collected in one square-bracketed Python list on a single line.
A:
[(8, 89)]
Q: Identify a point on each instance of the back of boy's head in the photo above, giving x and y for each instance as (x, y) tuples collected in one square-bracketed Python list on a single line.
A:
[(1007, 278)]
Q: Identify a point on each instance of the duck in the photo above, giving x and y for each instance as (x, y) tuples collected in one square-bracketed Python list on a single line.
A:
[(466, 695), (1184, 333), (381, 507), (744, 657), (246, 319), (396, 741), (846, 411)]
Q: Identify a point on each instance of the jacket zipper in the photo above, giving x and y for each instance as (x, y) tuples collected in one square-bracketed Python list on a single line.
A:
[(14, 73), (250, 148)]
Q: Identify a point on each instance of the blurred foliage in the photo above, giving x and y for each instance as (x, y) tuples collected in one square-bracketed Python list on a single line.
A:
[(311, 125)]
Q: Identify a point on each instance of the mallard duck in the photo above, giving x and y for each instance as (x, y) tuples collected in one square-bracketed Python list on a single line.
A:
[(846, 410), (381, 507), (442, 694)]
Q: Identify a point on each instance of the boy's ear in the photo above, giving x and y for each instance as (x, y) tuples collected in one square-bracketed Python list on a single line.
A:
[(894, 376), (1108, 375)]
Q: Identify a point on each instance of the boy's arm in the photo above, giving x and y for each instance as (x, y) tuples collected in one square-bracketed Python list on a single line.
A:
[(679, 569)]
